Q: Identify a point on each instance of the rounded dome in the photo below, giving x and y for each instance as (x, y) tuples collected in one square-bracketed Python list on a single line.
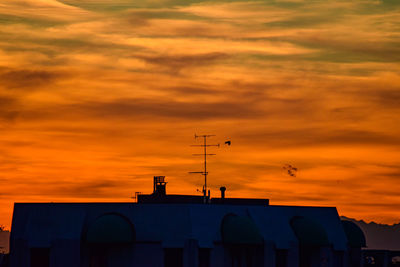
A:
[(240, 230), (355, 236), (110, 229), (309, 232)]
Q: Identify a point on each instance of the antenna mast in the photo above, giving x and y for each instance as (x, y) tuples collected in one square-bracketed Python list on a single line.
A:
[(204, 154)]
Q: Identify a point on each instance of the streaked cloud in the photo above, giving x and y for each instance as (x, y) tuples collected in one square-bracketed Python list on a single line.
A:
[(98, 96)]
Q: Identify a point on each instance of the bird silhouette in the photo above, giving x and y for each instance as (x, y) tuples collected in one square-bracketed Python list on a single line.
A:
[(291, 170)]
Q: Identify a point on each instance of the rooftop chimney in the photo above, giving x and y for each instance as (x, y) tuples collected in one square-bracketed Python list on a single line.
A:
[(222, 188), (159, 185)]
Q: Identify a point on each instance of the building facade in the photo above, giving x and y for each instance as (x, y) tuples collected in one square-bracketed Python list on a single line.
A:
[(180, 231)]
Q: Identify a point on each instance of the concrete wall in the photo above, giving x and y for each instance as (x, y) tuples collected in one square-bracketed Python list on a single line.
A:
[(19, 253), (142, 252), (65, 253)]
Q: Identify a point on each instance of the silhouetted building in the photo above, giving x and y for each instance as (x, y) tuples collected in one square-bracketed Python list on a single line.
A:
[(180, 230), (382, 258)]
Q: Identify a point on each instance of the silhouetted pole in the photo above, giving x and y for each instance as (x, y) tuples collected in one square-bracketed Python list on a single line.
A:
[(205, 165), (205, 172)]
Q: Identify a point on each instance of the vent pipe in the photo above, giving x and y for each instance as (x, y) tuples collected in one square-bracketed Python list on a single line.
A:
[(222, 188)]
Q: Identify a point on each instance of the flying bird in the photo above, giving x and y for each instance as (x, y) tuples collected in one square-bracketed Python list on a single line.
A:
[(228, 143), (291, 170)]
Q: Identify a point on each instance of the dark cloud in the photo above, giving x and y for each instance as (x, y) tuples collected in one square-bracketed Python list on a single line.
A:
[(277, 195), (379, 95), (177, 62), (391, 2), (390, 173), (347, 136), (56, 189), (307, 21), (140, 17), (91, 189), (193, 90), (8, 109), (338, 49), (6, 19), (376, 204), (318, 137), (24, 78), (236, 89), (152, 109), (261, 90), (385, 192), (386, 98), (352, 114), (120, 5), (126, 108), (313, 198), (16, 143), (6, 101)]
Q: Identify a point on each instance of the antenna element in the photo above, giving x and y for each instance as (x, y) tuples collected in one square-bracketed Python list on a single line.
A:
[(204, 154)]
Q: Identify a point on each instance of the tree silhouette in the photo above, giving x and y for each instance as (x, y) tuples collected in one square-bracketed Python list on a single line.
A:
[(2, 249)]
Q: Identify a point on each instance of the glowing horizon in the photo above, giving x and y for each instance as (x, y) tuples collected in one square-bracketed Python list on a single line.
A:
[(99, 96)]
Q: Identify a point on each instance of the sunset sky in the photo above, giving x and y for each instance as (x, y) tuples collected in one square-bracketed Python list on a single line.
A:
[(98, 96)]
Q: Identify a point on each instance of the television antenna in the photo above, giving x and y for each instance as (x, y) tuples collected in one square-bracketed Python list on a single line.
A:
[(204, 154), (136, 197)]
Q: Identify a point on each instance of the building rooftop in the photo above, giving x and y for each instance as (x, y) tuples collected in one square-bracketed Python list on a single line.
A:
[(160, 196)]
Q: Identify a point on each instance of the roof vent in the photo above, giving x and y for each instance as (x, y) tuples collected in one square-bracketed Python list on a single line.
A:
[(223, 189)]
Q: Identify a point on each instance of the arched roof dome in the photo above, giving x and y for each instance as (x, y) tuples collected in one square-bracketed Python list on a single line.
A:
[(110, 229), (240, 230), (309, 232), (355, 236)]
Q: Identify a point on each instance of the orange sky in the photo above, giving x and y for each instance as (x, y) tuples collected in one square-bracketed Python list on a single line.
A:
[(98, 96)]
